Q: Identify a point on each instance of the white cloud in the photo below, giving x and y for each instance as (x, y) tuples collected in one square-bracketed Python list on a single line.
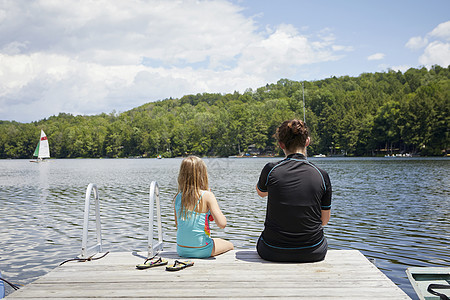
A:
[(342, 48), (281, 52), (376, 56), (442, 31), (416, 42), (436, 53), (62, 83), (89, 57), (401, 68), (436, 44)]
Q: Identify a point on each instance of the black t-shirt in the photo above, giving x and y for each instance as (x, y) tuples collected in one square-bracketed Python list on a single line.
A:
[(298, 191)]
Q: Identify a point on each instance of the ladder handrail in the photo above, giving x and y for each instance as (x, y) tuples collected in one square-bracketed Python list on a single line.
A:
[(85, 252), (154, 195)]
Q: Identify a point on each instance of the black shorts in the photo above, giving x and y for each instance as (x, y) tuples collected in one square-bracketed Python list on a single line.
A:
[(313, 254)]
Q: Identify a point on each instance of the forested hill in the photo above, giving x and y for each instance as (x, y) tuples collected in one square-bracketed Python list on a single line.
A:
[(372, 114)]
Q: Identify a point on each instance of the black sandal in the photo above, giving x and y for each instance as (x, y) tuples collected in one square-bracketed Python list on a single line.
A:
[(179, 265), (152, 262)]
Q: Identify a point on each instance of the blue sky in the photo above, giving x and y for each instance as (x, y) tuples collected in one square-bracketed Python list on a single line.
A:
[(85, 57), (367, 27)]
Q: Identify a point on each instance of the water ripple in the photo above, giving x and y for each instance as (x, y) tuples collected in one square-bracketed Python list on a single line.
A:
[(396, 212)]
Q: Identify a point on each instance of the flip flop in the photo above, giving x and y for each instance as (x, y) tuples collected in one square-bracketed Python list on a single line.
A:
[(152, 262), (179, 265)]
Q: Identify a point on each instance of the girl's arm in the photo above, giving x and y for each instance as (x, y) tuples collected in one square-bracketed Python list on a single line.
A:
[(213, 206), (175, 211), (175, 214)]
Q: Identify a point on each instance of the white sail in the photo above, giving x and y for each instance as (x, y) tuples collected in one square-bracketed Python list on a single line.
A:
[(44, 150)]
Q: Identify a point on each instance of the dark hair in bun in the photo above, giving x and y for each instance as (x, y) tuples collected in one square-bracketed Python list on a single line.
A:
[(293, 134)]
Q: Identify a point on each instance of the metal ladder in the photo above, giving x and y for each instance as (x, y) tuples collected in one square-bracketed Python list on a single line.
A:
[(154, 196), (152, 248)]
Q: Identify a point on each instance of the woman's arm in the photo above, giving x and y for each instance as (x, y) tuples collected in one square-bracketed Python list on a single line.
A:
[(213, 206), (326, 214), (261, 186), (261, 194)]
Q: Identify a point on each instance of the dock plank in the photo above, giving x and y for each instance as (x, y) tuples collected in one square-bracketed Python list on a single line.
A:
[(238, 274)]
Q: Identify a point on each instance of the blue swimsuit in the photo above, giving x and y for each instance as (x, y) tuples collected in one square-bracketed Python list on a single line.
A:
[(193, 234)]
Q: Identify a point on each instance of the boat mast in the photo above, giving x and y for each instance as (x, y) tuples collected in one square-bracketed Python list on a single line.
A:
[(304, 110)]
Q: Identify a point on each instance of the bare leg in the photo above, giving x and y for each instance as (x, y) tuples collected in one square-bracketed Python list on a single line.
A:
[(221, 246)]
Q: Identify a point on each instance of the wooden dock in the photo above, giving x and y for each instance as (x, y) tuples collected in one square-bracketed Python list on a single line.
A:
[(238, 274)]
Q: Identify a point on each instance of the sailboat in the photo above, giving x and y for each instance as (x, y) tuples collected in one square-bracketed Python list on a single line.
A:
[(42, 150)]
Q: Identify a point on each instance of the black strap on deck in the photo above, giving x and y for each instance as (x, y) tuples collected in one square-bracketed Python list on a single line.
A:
[(11, 284), (84, 259)]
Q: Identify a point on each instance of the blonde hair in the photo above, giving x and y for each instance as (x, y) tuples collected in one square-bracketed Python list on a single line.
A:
[(193, 178)]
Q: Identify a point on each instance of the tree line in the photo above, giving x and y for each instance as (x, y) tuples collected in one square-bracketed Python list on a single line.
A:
[(372, 114)]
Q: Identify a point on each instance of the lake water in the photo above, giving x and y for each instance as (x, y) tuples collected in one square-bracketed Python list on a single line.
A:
[(396, 211)]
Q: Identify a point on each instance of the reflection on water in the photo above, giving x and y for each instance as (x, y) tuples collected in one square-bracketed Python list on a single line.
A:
[(396, 211)]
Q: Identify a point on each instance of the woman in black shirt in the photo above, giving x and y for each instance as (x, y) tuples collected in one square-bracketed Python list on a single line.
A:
[(299, 201)]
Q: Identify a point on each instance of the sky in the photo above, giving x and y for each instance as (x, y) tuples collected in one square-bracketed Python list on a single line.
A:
[(90, 57)]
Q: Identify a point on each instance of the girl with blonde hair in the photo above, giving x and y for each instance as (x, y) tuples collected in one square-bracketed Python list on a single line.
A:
[(195, 207)]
